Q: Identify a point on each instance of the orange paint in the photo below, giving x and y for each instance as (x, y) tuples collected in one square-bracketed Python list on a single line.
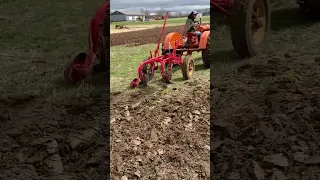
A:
[(203, 28), (204, 40)]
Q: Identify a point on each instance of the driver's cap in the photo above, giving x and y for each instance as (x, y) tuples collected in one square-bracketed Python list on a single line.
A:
[(194, 12)]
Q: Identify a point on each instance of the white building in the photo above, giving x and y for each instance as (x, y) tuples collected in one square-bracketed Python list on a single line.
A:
[(126, 16)]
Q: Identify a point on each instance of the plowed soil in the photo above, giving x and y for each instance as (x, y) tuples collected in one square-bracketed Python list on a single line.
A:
[(147, 36), (41, 139), (160, 135), (265, 111)]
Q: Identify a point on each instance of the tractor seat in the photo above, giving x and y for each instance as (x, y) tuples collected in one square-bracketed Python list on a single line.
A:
[(192, 40)]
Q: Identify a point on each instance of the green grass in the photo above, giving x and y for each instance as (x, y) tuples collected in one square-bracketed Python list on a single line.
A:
[(126, 60), (205, 19), (36, 38)]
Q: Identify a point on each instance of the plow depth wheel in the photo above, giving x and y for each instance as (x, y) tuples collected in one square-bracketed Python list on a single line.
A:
[(206, 54), (250, 26), (71, 75), (187, 67)]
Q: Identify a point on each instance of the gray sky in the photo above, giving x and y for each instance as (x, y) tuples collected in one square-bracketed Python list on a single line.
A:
[(172, 5)]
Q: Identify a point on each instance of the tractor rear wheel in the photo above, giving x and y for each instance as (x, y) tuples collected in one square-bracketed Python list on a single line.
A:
[(187, 67), (250, 26), (206, 54)]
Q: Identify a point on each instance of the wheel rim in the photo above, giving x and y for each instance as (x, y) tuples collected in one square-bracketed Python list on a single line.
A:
[(190, 69), (258, 22)]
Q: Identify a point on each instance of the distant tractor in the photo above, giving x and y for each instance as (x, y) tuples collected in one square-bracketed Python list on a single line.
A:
[(158, 17), (117, 26), (139, 19)]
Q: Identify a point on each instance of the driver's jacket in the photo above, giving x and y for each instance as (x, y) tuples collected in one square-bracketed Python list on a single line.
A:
[(189, 26)]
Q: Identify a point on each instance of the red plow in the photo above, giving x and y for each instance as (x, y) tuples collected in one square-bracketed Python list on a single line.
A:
[(148, 67), (83, 64)]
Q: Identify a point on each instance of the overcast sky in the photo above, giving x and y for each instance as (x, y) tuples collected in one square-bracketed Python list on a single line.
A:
[(152, 5)]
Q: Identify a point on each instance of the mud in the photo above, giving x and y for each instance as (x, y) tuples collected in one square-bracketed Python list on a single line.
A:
[(141, 37), (265, 114), (161, 134), (42, 139)]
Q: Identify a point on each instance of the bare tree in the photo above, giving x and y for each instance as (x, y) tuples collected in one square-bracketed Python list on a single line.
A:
[(147, 13), (161, 12)]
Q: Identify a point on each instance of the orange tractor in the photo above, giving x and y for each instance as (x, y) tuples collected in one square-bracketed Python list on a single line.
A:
[(175, 52), (176, 40)]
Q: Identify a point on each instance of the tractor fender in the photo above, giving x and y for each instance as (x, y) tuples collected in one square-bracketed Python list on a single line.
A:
[(171, 39), (203, 28), (204, 40)]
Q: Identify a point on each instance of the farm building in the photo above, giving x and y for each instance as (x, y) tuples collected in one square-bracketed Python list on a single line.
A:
[(127, 16)]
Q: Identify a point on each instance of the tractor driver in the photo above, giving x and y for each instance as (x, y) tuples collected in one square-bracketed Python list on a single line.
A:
[(190, 25)]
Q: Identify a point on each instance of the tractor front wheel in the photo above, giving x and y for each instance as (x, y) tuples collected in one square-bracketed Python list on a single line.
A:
[(206, 54), (250, 26), (187, 67)]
